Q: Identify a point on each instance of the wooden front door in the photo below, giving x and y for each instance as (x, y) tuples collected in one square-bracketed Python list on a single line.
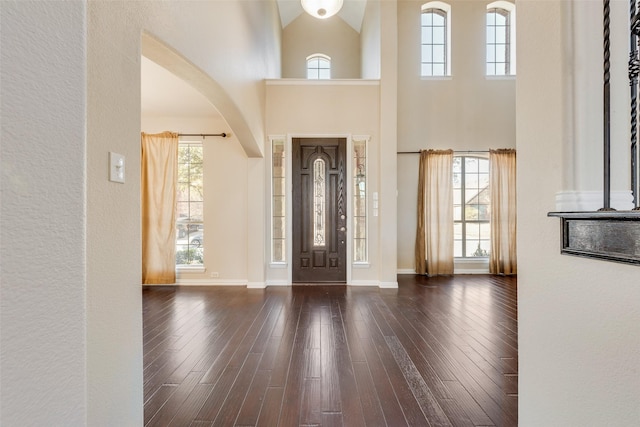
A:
[(319, 210)]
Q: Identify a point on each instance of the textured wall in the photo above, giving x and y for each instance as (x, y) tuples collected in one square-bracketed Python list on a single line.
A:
[(579, 341), (42, 214)]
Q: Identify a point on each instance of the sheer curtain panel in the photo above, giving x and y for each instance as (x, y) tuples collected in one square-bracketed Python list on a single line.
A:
[(502, 177), (434, 237), (159, 172)]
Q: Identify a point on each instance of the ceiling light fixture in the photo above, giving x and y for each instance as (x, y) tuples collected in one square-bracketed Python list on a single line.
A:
[(321, 9)]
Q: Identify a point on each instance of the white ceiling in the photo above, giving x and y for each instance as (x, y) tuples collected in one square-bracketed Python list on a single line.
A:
[(164, 94), (352, 12)]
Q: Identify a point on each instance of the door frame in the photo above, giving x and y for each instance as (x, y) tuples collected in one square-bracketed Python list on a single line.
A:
[(289, 200)]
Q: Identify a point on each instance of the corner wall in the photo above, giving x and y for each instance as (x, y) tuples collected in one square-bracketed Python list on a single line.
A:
[(579, 341)]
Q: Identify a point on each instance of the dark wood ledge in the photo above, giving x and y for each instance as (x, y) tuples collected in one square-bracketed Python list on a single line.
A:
[(605, 235)]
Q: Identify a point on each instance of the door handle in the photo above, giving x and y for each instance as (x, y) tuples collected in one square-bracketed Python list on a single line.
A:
[(342, 229)]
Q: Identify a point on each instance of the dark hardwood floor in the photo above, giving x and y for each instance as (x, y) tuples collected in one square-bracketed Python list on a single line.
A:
[(435, 352)]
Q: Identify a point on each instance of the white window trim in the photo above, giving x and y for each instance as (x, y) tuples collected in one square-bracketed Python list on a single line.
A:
[(318, 55), (511, 8), (446, 8)]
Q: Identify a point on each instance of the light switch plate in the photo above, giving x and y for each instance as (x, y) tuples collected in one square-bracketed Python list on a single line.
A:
[(116, 167)]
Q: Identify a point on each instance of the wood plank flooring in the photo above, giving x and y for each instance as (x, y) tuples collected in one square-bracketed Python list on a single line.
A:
[(437, 351)]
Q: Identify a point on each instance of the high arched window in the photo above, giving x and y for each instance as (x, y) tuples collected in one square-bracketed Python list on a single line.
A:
[(500, 29), (318, 67), (436, 39)]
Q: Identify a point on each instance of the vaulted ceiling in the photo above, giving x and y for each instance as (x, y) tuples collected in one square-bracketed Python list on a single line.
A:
[(352, 12)]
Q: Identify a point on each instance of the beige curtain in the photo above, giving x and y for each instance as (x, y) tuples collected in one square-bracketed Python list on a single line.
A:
[(503, 211), (434, 238), (158, 187)]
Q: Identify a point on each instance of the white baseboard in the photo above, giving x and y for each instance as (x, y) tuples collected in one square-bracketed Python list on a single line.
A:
[(357, 283), (388, 285), (256, 285), (406, 271), (277, 283)]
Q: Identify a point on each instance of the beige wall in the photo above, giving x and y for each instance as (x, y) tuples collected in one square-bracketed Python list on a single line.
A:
[(466, 111), (370, 41), (225, 190), (300, 108), (579, 341), (307, 35)]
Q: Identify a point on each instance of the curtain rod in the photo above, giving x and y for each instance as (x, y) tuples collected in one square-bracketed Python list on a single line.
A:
[(455, 151), (224, 135)]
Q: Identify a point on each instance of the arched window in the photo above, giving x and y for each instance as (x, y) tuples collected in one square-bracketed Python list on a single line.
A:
[(500, 39), (318, 67), (436, 39)]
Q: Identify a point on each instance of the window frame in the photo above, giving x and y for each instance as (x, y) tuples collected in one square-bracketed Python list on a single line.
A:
[(199, 225), (444, 10), (463, 205), (321, 58), (507, 10)]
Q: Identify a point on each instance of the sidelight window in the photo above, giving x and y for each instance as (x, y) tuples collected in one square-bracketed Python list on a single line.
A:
[(360, 200), (278, 202)]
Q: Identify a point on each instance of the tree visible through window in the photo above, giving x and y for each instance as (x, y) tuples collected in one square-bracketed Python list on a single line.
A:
[(190, 209), (471, 207)]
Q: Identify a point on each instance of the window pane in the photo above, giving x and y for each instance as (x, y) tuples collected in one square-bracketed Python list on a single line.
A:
[(501, 53), (278, 250), (457, 197), (190, 206), (485, 230), (471, 164), (500, 19), (484, 213), (438, 70), (491, 35), (491, 18), (457, 248), (313, 74), (471, 181), (438, 20), (457, 213), (474, 249), (483, 165), (360, 250), (457, 231), (319, 214), (438, 35), (438, 54), (324, 74), (427, 36), (491, 69), (501, 69), (483, 179), (426, 70), (491, 53), (427, 53), (279, 227), (359, 227), (278, 206), (501, 35), (427, 18)]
